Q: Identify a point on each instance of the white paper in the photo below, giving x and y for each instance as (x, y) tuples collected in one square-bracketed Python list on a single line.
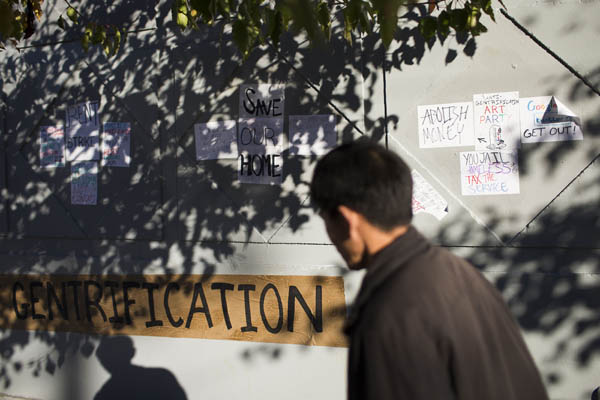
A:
[(52, 146), (312, 134), (489, 173), (546, 119), (84, 183), (426, 199), (116, 144), (263, 100), (260, 135), (83, 131), (445, 125), (265, 168), (216, 140), (497, 121)]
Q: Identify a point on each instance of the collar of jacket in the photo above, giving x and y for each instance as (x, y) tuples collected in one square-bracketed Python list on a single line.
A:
[(382, 266)]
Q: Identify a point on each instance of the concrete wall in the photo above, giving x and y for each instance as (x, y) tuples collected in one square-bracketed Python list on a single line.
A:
[(170, 214)]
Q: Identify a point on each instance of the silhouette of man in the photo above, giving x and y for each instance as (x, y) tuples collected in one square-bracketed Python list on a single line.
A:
[(130, 381), (425, 324)]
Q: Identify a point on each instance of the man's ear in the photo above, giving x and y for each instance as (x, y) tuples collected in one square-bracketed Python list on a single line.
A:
[(352, 218)]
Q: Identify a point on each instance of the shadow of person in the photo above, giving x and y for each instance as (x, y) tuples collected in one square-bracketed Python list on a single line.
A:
[(128, 381)]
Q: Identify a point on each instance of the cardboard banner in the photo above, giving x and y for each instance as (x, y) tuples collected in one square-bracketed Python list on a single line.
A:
[(307, 310)]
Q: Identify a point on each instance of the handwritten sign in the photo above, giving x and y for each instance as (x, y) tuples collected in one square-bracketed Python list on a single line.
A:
[(489, 173), (259, 135), (216, 140), (546, 119), (52, 146), (426, 199), (84, 183), (497, 121), (312, 134), (116, 144), (261, 168), (83, 131), (263, 100), (445, 125), (305, 310)]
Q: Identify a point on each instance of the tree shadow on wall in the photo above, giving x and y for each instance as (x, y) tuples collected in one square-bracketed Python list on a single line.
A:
[(162, 82)]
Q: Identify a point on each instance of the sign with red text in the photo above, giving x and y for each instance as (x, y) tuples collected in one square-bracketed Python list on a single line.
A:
[(52, 146), (497, 121), (489, 173), (445, 125), (426, 199), (116, 144), (546, 119)]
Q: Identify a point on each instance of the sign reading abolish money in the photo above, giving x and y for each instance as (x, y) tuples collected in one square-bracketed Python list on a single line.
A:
[(546, 119), (307, 310), (445, 125), (83, 131), (52, 146), (116, 144)]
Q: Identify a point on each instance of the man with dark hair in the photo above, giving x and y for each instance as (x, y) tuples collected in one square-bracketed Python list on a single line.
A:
[(425, 324)]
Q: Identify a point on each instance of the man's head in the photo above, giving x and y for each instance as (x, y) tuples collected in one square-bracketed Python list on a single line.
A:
[(361, 185)]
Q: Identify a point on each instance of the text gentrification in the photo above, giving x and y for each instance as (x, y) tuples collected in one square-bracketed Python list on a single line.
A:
[(445, 125), (116, 144), (546, 119), (52, 146), (489, 173), (497, 121), (307, 310), (83, 132)]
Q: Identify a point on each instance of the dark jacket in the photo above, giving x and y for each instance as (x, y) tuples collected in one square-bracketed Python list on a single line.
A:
[(427, 325)]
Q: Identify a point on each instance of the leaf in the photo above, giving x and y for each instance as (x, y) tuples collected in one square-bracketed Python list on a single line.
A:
[(6, 19), (428, 26), (85, 42), (72, 14), (37, 8), (275, 25), (432, 5), (387, 15), (182, 20), (117, 40), (323, 18), (443, 23), (240, 36)]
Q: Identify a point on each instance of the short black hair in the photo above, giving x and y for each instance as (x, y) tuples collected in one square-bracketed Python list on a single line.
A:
[(367, 178)]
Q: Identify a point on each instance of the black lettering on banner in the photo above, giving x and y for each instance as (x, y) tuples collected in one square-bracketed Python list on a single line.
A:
[(34, 299), (176, 324), (253, 107), (25, 306), (317, 319), (116, 318), (93, 302), (249, 327), (150, 287), (198, 291), (62, 308), (223, 287), (248, 165), (276, 106), (126, 300), (279, 305), (74, 285)]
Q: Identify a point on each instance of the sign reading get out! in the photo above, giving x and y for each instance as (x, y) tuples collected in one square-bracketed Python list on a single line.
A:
[(307, 310)]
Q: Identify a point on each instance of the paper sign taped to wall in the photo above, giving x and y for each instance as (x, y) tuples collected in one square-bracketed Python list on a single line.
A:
[(84, 183), (426, 199), (302, 310), (497, 121), (312, 134), (260, 135), (445, 125), (52, 146), (489, 173), (216, 140), (261, 168), (116, 144), (262, 101), (83, 132), (546, 119)]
